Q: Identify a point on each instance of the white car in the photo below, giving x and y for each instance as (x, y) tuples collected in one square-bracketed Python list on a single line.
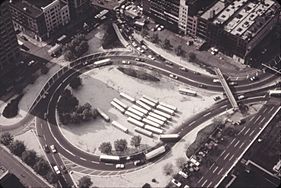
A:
[(186, 186), (151, 57), (176, 183), (240, 97), (233, 83), (134, 44), (31, 62), (173, 76), (144, 47), (216, 80), (183, 69), (53, 148), (56, 168), (183, 174), (120, 166)]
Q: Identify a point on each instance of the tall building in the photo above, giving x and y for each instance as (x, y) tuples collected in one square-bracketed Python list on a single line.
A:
[(39, 18), (9, 48), (78, 8)]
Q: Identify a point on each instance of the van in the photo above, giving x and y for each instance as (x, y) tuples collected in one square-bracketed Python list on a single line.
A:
[(216, 80)]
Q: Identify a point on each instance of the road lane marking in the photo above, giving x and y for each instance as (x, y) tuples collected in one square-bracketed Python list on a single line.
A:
[(95, 162), (83, 159), (220, 171), (108, 163), (262, 119), (231, 157), (257, 119), (215, 169), (247, 131), (207, 114), (252, 132), (209, 184), (271, 109), (237, 143), (241, 131), (241, 145), (204, 183), (192, 123), (232, 141), (200, 179), (212, 165), (223, 106), (222, 153), (226, 156)]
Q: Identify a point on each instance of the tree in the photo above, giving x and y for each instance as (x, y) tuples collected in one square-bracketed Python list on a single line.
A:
[(192, 56), (180, 162), (166, 44), (17, 147), (120, 145), (75, 83), (51, 177), (6, 138), (29, 157), (69, 55), (146, 185), (135, 141), (41, 167), (85, 182), (105, 147), (178, 50), (168, 169), (155, 38)]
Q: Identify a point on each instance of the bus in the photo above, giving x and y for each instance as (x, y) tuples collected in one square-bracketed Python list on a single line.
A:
[(150, 99), (140, 109), (162, 114), (118, 107), (154, 153), (136, 112), (144, 132), (55, 50), (103, 115), (145, 120), (135, 122), (168, 106), (185, 91), (119, 126), (143, 105), (275, 93), (152, 114), (61, 39), (128, 97), (169, 137), (153, 129), (165, 109), (156, 120), (150, 103), (120, 103), (101, 14), (132, 115), (109, 158), (103, 62)]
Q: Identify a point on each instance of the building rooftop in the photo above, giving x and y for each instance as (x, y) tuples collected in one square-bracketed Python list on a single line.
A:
[(39, 3), (30, 9), (213, 10), (3, 171)]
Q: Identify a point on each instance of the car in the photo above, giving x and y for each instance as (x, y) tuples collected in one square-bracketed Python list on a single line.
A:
[(217, 98), (134, 44), (124, 62), (202, 86), (183, 69), (169, 63), (46, 148), (137, 59), (162, 27), (196, 73), (119, 166), (85, 63), (24, 38), (253, 78), (128, 158), (176, 183), (216, 81), (183, 174), (240, 97), (53, 148), (233, 83), (186, 186), (138, 162), (159, 29), (151, 57), (31, 62), (144, 47), (56, 168), (173, 76)]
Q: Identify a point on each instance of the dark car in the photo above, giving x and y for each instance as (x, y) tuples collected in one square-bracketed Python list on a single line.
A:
[(46, 148), (202, 86)]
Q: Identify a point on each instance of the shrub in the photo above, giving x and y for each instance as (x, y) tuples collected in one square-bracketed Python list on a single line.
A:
[(11, 110), (17, 147), (120, 145), (6, 139), (105, 147)]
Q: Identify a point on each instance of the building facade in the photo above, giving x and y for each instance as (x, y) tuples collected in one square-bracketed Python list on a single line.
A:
[(9, 48), (78, 8)]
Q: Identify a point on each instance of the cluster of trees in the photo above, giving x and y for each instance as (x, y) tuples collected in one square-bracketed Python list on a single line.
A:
[(120, 145), (76, 47), (71, 112), (11, 110), (75, 83), (138, 74), (39, 164), (85, 182)]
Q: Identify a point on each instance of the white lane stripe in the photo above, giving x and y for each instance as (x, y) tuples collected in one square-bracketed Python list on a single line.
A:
[(215, 169), (204, 183), (226, 156), (209, 184), (108, 163), (200, 179), (223, 106), (241, 145), (95, 162), (237, 143), (252, 132), (257, 119), (222, 153), (232, 141), (220, 171), (247, 131), (241, 130), (262, 120), (231, 157), (207, 114)]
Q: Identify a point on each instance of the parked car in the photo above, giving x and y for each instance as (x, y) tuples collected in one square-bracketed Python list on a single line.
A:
[(120, 166), (173, 76), (56, 168), (202, 86), (183, 174), (168, 62), (46, 148), (233, 83), (217, 98), (53, 148), (253, 78), (183, 69), (216, 81), (240, 97), (31, 62), (151, 57), (176, 183), (138, 162)]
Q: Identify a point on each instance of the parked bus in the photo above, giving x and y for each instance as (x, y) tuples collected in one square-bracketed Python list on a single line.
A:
[(153, 129), (143, 105), (109, 158), (156, 120), (275, 93), (120, 103), (150, 99), (103, 115), (168, 106), (101, 14), (128, 97), (185, 91), (152, 114), (145, 120), (144, 132), (154, 153), (55, 50), (169, 137), (136, 112), (132, 115), (103, 62), (135, 122), (119, 126), (165, 109), (118, 107), (61, 39), (140, 109), (162, 114), (150, 103)]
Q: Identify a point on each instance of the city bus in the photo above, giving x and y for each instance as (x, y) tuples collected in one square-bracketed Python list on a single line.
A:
[(136, 112), (156, 120), (154, 153), (153, 129), (128, 97), (162, 114), (152, 114), (150, 103), (185, 91), (103, 115), (165, 109), (274, 93), (169, 137), (168, 106), (120, 103), (143, 105), (140, 109), (145, 120), (103, 62), (119, 126), (61, 39), (135, 122), (150, 99), (132, 115), (109, 158), (144, 132), (118, 107)]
